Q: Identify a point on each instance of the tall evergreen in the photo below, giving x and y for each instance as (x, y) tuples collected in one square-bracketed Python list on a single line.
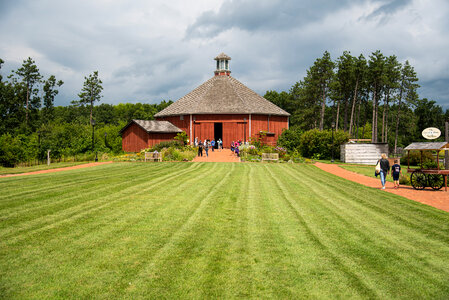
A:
[(29, 73)]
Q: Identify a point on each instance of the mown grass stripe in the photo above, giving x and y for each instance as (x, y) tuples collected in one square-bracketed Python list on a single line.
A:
[(355, 279), (72, 213), (369, 240), (114, 236)]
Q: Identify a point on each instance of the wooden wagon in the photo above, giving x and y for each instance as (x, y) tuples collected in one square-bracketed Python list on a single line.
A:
[(421, 177)]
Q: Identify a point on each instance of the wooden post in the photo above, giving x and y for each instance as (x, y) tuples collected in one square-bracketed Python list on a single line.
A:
[(408, 159), (48, 157), (446, 153)]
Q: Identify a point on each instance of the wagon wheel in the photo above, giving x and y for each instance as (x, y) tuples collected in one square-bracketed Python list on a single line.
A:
[(418, 180), (435, 181)]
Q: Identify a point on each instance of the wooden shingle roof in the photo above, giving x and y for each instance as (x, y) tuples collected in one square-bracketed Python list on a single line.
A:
[(428, 146), (222, 95), (154, 126)]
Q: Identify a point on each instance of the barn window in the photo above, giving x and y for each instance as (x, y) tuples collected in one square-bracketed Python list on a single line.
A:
[(181, 117)]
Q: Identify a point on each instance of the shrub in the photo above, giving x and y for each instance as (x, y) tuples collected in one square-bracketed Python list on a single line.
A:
[(166, 144), (415, 158), (404, 179), (290, 139), (182, 138), (176, 154), (318, 144)]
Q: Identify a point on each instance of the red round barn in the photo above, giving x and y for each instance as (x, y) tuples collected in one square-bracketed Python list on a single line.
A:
[(224, 108)]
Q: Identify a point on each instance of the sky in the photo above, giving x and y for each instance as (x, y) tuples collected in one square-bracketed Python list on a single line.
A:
[(152, 50)]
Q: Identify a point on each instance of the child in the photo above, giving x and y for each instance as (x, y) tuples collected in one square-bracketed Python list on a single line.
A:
[(395, 172)]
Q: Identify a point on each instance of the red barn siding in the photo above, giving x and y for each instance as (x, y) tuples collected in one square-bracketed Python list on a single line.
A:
[(134, 138), (234, 126), (156, 138)]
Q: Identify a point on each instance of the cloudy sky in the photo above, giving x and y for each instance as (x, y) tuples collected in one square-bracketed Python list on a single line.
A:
[(152, 50)]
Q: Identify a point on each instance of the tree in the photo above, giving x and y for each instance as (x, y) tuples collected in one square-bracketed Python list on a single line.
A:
[(359, 74), (408, 88), (391, 80), (50, 93), (343, 86), (91, 91), (30, 76), (322, 74), (376, 67), (282, 99)]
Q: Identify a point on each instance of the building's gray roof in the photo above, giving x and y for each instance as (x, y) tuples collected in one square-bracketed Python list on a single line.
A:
[(222, 95), (428, 146), (222, 56), (154, 126)]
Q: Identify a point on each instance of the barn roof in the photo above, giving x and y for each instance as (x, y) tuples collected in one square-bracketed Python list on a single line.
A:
[(154, 126), (222, 95), (428, 146)]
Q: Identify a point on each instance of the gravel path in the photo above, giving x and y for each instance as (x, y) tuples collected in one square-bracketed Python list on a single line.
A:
[(225, 155), (438, 199)]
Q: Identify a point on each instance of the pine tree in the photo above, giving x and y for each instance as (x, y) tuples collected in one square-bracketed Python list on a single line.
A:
[(91, 91)]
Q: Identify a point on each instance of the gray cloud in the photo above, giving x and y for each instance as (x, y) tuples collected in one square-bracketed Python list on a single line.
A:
[(149, 51)]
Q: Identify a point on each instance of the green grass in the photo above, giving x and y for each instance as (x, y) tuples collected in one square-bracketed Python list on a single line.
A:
[(18, 170), (215, 230), (369, 171)]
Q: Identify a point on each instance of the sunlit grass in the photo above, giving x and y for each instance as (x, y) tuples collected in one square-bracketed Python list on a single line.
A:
[(215, 230)]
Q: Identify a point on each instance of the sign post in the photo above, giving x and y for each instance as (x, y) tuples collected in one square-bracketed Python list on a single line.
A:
[(446, 153)]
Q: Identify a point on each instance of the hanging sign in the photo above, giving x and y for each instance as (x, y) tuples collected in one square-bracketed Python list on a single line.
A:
[(431, 133)]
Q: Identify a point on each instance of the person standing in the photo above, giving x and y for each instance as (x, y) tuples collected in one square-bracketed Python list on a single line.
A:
[(232, 146), (212, 144), (220, 145), (395, 172), (384, 168)]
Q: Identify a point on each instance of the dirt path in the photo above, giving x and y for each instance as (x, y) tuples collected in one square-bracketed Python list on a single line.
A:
[(225, 155), (438, 199), (58, 169)]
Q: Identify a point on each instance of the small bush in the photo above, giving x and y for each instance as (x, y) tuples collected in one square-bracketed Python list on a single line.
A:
[(415, 158), (404, 179), (290, 139), (166, 144)]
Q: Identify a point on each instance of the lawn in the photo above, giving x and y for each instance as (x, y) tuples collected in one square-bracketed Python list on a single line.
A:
[(215, 230), (18, 170)]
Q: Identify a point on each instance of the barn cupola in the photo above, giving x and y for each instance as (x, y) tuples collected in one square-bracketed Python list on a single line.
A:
[(222, 65)]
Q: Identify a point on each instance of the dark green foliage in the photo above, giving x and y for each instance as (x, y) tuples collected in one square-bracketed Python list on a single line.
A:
[(182, 138), (318, 144), (290, 138), (415, 158), (167, 144)]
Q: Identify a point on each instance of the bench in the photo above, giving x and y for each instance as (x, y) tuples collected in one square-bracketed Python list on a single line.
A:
[(153, 156), (270, 156)]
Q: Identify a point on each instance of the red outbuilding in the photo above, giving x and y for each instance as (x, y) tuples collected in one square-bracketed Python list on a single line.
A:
[(141, 134), (221, 108)]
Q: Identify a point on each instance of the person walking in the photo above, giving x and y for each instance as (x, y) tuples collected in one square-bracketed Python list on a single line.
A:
[(384, 168), (200, 148), (206, 147), (395, 172)]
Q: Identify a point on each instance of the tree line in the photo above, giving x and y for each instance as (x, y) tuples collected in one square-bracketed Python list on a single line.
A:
[(374, 97), (31, 123)]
